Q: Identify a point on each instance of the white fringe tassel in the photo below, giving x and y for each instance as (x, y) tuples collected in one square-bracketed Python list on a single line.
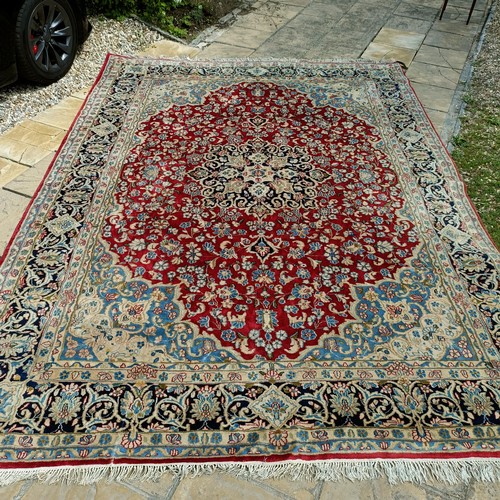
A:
[(396, 471)]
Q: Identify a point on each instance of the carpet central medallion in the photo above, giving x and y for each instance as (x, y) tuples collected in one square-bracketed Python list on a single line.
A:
[(258, 178), (267, 217)]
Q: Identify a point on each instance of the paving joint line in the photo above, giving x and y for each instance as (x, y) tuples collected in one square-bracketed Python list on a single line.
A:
[(5, 188)]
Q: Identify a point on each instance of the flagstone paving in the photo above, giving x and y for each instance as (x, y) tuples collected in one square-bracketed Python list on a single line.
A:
[(435, 53)]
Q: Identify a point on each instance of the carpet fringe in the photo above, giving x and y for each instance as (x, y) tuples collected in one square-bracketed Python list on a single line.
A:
[(397, 471)]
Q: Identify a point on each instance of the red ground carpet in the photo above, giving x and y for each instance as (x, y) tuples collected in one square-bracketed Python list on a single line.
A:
[(259, 267)]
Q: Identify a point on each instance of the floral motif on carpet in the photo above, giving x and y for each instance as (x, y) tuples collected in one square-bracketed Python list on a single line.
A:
[(249, 262)]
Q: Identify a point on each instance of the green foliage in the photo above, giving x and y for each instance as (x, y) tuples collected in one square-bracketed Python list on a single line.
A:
[(158, 12), (112, 8), (161, 13), (197, 13)]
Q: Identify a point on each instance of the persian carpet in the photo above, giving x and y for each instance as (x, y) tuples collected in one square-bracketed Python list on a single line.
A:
[(262, 267)]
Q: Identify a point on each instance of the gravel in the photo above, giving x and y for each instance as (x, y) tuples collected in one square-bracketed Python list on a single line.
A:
[(21, 101), (486, 79)]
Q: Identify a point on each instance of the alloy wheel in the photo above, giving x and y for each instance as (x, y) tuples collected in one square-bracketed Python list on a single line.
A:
[(51, 36)]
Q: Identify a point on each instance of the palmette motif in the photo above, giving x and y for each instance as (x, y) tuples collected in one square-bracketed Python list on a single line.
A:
[(249, 260)]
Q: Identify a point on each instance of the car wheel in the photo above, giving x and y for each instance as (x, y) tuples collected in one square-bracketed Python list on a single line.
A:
[(46, 40)]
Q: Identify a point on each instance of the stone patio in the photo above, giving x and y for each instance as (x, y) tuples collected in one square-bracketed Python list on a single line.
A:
[(435, 53)]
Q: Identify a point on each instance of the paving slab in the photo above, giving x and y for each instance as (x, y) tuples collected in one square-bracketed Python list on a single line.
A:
[(37, 134), (224, 50), (163, 488), (390, 4), (382, 52), (417, 11), (244, 37), (27, 182), (82, 93), (459, 14), (400, 38), (261, 22), (117, 491), (323, 11), (442, 57), (364, 18), (12, 491), (370, 490), (41, 491), (223, 487), (296, 40), (466, 4), (275, 9), (437, 4), (483, 491), (333, 50), (447, 40), (9, 170), (457, 27), (42, 128), (344, 5), (12, 207), (432, 97), (308, 24), (430, 74), (408, 24), (169, 48), (22, 153), (277, 50), (61, 115), (300, 3), (437, 118), (298, 489), (345, 34)]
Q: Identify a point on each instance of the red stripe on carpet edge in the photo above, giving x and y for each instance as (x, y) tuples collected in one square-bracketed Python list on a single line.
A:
[(265, 459)]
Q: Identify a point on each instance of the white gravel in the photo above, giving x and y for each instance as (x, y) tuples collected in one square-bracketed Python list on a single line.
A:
[(486, 79), (21, 101)]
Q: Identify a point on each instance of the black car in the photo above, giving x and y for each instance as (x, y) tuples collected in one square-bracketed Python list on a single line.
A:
[(39, 38)]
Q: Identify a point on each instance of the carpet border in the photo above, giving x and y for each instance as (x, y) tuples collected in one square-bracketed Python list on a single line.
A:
[(452, 160)]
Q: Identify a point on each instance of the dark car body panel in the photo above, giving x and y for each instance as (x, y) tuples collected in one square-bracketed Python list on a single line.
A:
[(8, 15), (8, 70)]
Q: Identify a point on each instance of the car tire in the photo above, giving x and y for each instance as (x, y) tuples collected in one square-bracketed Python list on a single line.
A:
[(46, 40)]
